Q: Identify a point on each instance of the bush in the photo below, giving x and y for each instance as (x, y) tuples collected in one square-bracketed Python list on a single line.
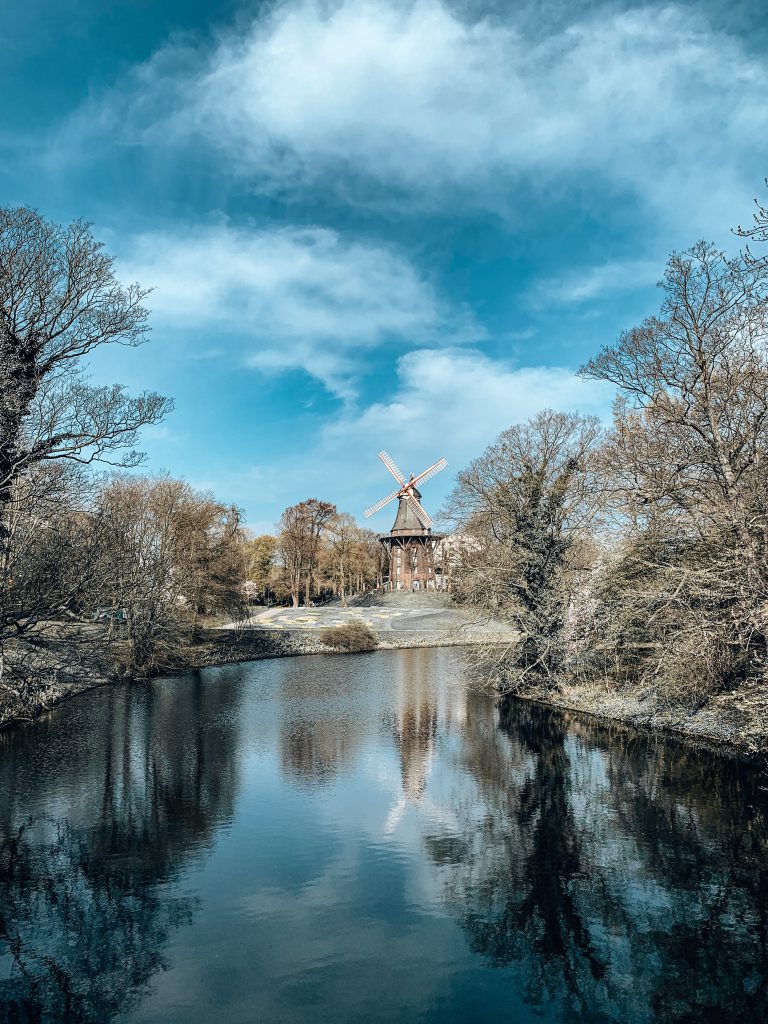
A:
[(704, 663), (352, 636)]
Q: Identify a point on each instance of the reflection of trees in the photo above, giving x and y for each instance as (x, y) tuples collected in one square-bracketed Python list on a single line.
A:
[(704, 820), (623, 881), (318, 737), (552, 860), (313, 752), (85, 913), (83, 941), (525, 907)]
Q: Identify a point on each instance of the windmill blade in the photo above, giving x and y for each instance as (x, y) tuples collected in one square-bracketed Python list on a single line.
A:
[(380, 504), (389, 462), (419, 512), (429, 473)]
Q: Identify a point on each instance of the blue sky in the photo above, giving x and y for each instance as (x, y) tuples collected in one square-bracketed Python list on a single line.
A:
[(377, 224)]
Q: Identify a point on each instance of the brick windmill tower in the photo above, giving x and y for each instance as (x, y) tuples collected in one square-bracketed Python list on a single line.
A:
[(410, 544)]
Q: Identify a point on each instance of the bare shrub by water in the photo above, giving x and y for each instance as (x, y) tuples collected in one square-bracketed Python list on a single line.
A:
[(352, 637)]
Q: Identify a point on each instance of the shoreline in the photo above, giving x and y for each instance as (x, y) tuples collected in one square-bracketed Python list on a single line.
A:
[(221, 647), (727, 724), (654, 725), (215, 648)]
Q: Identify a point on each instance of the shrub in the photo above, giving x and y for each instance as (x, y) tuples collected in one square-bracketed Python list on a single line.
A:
[(352, 636), (704, 663)]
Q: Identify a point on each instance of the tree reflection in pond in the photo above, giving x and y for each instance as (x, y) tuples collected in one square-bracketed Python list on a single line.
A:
[(612, 873), (85, 908), (343, 839)]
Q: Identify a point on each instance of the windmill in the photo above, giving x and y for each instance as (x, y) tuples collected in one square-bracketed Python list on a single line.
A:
[(410, 543)]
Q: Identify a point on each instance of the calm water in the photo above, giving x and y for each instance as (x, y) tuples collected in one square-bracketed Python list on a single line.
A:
[(360, 839)]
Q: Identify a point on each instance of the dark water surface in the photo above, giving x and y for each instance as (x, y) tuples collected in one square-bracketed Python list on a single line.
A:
[(361, 839)]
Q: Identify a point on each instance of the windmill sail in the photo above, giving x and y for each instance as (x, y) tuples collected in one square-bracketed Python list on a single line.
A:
[(389, 462), (407, 493), (379, 504), (429, 473), (418, 511)]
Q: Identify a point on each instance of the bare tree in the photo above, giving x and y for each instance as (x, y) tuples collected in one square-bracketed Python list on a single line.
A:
[(343, 540), (692, 427), (758, 230), (301, 527), (523, 508), (260, 557), (375, 558), (170, 555), (51, 562), (59, 301), (687, 457), (682, 600)]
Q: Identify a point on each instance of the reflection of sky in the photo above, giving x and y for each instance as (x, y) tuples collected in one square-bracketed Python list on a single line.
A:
[(318, 895), (360, 838)]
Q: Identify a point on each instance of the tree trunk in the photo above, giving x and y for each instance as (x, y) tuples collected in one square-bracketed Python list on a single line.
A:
[(15, 401)]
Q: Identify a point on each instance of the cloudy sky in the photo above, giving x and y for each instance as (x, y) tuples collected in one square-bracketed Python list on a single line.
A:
[(376, 223)]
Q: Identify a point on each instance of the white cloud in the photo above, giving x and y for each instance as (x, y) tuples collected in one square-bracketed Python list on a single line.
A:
[(449, 403), (411, 96), (595, 282), (294, 298)]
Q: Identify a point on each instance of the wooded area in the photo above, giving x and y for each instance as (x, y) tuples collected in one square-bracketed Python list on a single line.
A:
[(638, 554), (91, 557)]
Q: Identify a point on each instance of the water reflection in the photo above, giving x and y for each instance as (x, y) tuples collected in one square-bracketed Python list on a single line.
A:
[(625, 880), (85, 909), (364, 838), (319, 735), (414, 720)]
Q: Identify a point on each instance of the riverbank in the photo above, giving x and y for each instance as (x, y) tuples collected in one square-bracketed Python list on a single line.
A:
[(64, 663), (734, 723), (223, 647)]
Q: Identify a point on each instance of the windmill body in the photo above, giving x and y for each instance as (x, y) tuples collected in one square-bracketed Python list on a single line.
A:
[(412, 548)]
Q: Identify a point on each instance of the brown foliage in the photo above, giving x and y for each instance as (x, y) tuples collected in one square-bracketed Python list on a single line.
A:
[(642, 559), (171, 556), (298, 545), (59, 301), (525, 508), (684, 474), (351, 637)]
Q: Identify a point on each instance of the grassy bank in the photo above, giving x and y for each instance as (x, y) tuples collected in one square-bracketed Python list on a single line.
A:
[(65, 663), (60, 662)]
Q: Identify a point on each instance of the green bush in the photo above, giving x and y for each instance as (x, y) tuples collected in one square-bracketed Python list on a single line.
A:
[(352, 636)]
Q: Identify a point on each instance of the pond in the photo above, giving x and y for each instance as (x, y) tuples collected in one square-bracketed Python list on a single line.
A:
[(363, 838)]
